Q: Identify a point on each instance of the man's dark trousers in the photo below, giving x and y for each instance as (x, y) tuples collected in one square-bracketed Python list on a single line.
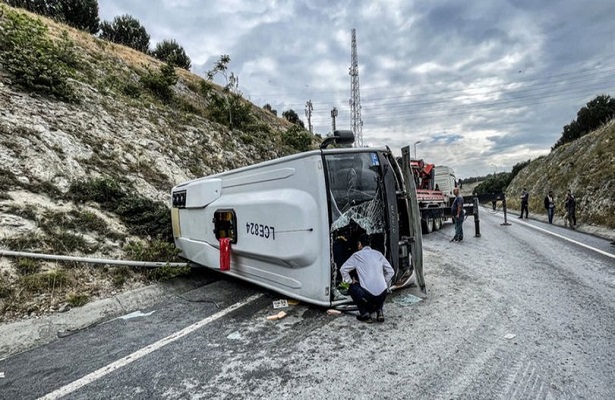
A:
[(366, 302), (524, 208)]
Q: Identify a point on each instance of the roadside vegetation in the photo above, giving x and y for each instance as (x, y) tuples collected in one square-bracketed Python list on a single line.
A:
[(103, 215), (595, 115)]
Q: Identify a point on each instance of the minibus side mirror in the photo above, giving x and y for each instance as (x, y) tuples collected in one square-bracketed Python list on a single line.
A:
[(338, 137)]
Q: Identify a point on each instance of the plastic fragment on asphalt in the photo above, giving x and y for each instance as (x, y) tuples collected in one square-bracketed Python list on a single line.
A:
[(277, 316), (407, 300), (510, 336), (136, 314), (280, 304), (2, 375), (333, 312), (234, 336)]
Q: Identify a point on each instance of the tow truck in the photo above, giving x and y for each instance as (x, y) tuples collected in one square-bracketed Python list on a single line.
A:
[(434, 191), (289, 224)]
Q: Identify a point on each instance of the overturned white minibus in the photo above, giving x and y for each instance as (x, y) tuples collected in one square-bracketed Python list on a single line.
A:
[(290, 223)]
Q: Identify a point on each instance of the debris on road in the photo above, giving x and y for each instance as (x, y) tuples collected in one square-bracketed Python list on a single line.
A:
[(510, 336), (234, 336), (277, 316), (280, 304), (333, 312), (406, 299)]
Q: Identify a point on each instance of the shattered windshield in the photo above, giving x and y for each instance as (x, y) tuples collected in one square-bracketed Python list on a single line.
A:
[(356, 192), (356, 203)]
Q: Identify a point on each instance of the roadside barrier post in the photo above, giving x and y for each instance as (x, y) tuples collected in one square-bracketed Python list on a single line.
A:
[(504, 208)]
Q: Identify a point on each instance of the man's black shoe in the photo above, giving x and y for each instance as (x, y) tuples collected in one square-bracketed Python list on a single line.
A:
[(380, 316), (365, 318)]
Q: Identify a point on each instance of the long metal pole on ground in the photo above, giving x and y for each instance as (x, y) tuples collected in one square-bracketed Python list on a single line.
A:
[(145, 264)]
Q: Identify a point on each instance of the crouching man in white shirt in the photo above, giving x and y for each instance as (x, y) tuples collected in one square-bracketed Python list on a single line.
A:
[(374, 273)]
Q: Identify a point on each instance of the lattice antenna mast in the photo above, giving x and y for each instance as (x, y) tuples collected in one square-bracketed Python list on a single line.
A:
[(356, 124)]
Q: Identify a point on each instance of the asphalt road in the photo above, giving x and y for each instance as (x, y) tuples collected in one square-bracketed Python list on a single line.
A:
[(524, 311)]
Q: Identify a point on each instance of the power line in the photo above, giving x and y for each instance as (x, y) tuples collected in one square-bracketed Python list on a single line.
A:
[(542, 80), (446, 104)]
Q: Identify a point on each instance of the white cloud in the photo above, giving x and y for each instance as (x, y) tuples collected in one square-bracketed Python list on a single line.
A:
[(478, 82)]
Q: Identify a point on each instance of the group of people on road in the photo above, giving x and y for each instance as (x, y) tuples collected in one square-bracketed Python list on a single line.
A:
[(570, 205), (369, 274)]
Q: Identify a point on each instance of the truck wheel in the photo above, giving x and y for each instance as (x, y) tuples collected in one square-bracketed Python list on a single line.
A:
[(428, 225), (437, 224)]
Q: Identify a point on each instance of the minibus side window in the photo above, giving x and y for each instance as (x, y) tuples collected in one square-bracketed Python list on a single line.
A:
[(225, 225)]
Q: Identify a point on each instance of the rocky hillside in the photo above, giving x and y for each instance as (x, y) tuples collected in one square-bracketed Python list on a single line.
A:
[(93, 136), (586, 167)]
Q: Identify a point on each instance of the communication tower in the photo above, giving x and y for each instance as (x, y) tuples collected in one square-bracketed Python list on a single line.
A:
[(356, 124)]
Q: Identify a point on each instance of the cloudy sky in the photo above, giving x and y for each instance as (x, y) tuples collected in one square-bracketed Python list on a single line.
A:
[(482, 84)]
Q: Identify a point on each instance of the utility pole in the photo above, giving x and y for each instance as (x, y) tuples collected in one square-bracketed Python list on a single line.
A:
[(415, 143), (333, 115), (308, 113), (356, 124)]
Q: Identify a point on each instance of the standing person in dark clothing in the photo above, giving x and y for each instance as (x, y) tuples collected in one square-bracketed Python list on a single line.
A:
[(524, 203), (573, 207), (458, 214), (569, 205), (550, 205), (375, 274)]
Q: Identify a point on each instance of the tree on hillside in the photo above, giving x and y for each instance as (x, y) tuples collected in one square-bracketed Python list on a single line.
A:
[(494, 183), (591, 116), (292, 117), (81, 14), (517, 168), (126, 30), (267, 107), (228, 108), (48, 8), (171, 52)]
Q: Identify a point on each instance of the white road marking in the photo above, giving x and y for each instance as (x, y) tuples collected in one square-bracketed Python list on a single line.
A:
[(122, 362), (568, 239)]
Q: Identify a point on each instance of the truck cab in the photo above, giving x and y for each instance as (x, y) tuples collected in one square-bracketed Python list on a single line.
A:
[(446, 180), (291, 223)]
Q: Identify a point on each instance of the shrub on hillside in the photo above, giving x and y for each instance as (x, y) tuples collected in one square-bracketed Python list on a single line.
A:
[(160, 84), (297, 138), (32, 59), (141, 215)]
